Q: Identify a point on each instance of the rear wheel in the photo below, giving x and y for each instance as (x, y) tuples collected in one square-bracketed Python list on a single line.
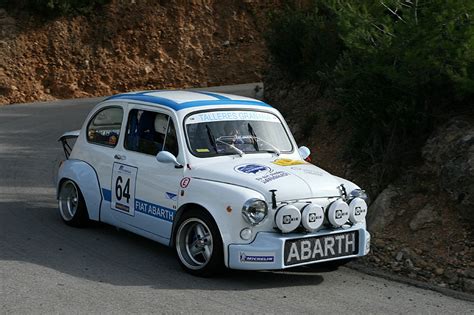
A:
[(72, 206), (198, 244)]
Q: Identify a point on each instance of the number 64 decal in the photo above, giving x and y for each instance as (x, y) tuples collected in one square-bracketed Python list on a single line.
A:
[(122, 192), (123, 188)]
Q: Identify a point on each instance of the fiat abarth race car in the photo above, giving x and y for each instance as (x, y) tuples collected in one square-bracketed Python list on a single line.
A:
[(217, 177)]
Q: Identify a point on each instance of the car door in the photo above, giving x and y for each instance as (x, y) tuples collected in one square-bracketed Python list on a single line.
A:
[(103, 135), (145, 191)]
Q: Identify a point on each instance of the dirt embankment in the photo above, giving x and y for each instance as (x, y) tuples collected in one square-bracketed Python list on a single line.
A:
[(132, 45)]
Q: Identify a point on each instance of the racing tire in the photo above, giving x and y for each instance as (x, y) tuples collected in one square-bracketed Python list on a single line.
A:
[(198, 244), (72, 206)]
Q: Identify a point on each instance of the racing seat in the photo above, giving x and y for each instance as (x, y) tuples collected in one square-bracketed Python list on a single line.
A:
[(131, 142)]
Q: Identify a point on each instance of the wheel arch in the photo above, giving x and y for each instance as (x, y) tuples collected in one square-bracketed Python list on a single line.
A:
[(85, 177), (179, 214)]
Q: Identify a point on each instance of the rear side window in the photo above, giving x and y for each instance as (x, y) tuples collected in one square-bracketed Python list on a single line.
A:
[(150, 132), (104, 127)]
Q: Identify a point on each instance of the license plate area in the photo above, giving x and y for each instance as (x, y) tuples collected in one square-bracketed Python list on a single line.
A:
[(312, 249)]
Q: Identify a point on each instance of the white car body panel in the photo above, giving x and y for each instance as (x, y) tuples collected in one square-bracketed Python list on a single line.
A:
[(86, 178), (161, 192)]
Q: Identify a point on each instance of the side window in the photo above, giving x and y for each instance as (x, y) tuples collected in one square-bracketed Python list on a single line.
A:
[(150, 132), (104, 127)]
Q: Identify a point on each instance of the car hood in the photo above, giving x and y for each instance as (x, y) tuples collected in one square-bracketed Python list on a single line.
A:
[(292, 179)]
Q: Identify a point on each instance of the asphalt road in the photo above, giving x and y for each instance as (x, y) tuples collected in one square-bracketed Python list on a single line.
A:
[(48, 267)]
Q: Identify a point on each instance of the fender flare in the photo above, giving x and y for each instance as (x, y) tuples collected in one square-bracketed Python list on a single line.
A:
[(87, 180), (179, 213), (207, 196)]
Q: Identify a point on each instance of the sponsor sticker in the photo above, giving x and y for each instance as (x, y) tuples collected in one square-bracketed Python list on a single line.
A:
[(123, 188), (257, 257), (185, 182), (202, 150), (171, 196), (308, 171), (230, 116), (154, 210), (288, 162), (251, 168), (272, 176)]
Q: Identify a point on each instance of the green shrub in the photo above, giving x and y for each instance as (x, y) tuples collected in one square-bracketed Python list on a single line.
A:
[(403, 64), (304, 41), (400, 65), (53, 8)]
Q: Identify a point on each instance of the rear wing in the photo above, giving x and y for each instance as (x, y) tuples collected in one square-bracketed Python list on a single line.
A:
[(66, 140)]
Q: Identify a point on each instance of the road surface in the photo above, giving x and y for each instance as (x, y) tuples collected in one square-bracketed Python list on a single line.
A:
[(48, 267)]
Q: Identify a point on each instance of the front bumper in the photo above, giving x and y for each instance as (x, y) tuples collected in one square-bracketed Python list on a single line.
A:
[(266, 252)]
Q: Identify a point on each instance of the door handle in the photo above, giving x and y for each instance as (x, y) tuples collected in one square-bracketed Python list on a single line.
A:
[(119, 157)]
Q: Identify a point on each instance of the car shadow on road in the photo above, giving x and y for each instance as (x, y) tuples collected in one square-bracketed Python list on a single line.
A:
[(34, 233)]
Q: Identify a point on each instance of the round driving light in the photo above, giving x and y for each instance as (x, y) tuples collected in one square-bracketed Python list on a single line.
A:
[(288, 218), (338, 213), (312, 217), (254, 211), (359, 193), (246, 234), (358, 210)]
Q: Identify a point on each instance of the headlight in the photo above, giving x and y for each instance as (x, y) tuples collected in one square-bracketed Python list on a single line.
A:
[(254, 211), (359, 193)]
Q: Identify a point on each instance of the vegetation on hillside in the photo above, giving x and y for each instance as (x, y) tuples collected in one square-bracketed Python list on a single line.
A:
[(396, 67), (53, 8)]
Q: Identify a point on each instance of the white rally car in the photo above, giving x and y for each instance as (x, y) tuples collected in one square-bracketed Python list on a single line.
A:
[(218, 177)]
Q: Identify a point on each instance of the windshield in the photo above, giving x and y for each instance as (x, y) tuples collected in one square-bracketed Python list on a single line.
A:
[(236, 132)]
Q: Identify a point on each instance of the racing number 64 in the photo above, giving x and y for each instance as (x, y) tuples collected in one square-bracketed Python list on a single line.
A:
[(122, 192), (123, 188)]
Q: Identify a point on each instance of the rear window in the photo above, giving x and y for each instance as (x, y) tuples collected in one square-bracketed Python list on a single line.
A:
[(104, 127)]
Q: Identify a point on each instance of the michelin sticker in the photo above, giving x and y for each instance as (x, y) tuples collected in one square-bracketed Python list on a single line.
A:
[(257, 257), (123, 188)]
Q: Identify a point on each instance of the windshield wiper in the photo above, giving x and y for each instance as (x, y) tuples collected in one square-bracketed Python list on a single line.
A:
[(274, 149), (211, 138), (233, 147), (252, 132)]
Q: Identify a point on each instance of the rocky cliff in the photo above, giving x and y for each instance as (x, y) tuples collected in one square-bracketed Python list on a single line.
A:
[(132, 45)]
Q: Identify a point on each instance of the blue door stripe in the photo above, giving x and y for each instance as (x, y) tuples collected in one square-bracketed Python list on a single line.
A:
[(147, 208), (107, 194)]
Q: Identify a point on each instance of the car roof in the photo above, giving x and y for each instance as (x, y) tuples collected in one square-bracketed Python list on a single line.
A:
[(179, 100)]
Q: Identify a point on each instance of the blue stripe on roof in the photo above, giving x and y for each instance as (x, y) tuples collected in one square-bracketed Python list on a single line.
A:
[(219, 97), (179, 106), (222, 102), (147, 98)]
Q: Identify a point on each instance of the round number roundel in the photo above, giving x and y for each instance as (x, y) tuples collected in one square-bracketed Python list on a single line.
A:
[(185, 182)]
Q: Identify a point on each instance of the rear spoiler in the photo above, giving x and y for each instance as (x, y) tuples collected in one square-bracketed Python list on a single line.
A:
[(70, 135)]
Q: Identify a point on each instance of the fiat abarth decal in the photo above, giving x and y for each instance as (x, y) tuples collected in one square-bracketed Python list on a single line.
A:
[(217, 177)]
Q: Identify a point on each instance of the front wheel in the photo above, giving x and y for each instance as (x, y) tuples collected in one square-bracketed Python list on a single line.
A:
[(198, 244), (72, 206)]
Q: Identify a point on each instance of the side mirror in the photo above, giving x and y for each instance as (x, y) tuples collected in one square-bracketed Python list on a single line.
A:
[(167, 157), (304, 152)]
